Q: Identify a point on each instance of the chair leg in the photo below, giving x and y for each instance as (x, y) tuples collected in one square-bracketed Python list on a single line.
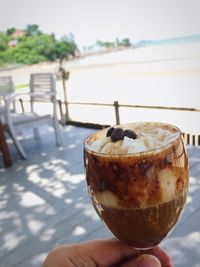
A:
[(36, 133), (17, 143), (57, 132), (4, 147)]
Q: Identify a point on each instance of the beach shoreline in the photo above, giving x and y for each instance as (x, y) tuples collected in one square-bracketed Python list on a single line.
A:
[(167, 75)]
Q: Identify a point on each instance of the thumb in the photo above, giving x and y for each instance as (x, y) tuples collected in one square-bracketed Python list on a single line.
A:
[(144, 260)]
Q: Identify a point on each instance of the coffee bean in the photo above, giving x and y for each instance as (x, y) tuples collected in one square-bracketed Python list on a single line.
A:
[(109, 132), (130, 134), (117, 134)]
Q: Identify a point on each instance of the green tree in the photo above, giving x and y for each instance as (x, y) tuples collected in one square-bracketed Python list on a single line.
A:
[(2, 59), (10, 31), (26, 56), (64, 49), (44, 45), (3, 41), (6, 57), (106, 44), (32, 30), (117, 43), (35, 47), (126, 42), (99, 43)]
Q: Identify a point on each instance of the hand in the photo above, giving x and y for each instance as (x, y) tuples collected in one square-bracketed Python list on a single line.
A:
[(106, 253)]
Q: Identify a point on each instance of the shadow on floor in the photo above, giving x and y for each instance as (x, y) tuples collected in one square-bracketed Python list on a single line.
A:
[(44, 199)]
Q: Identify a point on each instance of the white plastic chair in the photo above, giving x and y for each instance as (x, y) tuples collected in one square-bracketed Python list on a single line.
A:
[(42, 88), (6, 87)]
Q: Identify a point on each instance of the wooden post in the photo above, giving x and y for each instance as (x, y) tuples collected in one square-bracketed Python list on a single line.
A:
[(117, 117), (22, 105), (65, 99), (64, 75), (193, 140), (61, 112), (4, 147), (188, 139)]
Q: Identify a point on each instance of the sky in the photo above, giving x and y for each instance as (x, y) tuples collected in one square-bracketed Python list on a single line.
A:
[(90, 20)]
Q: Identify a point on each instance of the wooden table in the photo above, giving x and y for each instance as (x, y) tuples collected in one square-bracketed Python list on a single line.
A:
[(4, 147)]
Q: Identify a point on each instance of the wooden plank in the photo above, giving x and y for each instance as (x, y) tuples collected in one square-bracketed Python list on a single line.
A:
[(45, 203), (184, 242)]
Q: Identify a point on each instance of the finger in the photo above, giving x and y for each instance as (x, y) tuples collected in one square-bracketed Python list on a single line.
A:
[(162, 256), (99, 252), (107, 252), (145, 260)]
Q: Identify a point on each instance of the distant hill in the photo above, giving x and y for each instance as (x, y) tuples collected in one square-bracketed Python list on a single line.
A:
[(170, 41)]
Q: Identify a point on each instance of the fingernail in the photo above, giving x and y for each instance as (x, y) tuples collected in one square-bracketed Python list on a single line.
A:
[(146, 260)]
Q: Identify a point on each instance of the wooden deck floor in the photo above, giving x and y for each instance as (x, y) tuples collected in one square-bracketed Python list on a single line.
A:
[(44, 202)]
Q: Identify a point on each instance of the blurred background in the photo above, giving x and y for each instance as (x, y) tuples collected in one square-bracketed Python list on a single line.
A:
[(114, 61), (133, 52)]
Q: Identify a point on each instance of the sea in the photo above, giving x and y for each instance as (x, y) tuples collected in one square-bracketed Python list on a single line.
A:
[(152, 73), (162, 73)]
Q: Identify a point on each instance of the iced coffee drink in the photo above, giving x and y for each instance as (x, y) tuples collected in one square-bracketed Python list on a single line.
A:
[(137, 177)]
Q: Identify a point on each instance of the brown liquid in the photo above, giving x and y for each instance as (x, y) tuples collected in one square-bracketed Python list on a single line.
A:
[(139, 196), (143, 228)]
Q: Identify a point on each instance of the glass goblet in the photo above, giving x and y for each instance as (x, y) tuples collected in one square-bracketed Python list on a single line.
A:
[(139, 195)]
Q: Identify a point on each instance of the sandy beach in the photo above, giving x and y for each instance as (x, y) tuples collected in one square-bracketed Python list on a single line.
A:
[(167, 75)]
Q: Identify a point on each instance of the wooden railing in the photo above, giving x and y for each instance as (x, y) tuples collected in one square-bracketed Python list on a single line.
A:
[(189, 138)]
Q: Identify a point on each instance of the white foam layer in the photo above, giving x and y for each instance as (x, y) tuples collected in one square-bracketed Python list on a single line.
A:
[(149, 136)]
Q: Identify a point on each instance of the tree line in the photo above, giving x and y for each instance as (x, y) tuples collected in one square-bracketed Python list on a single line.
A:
[(31, 46), (34, 46)]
